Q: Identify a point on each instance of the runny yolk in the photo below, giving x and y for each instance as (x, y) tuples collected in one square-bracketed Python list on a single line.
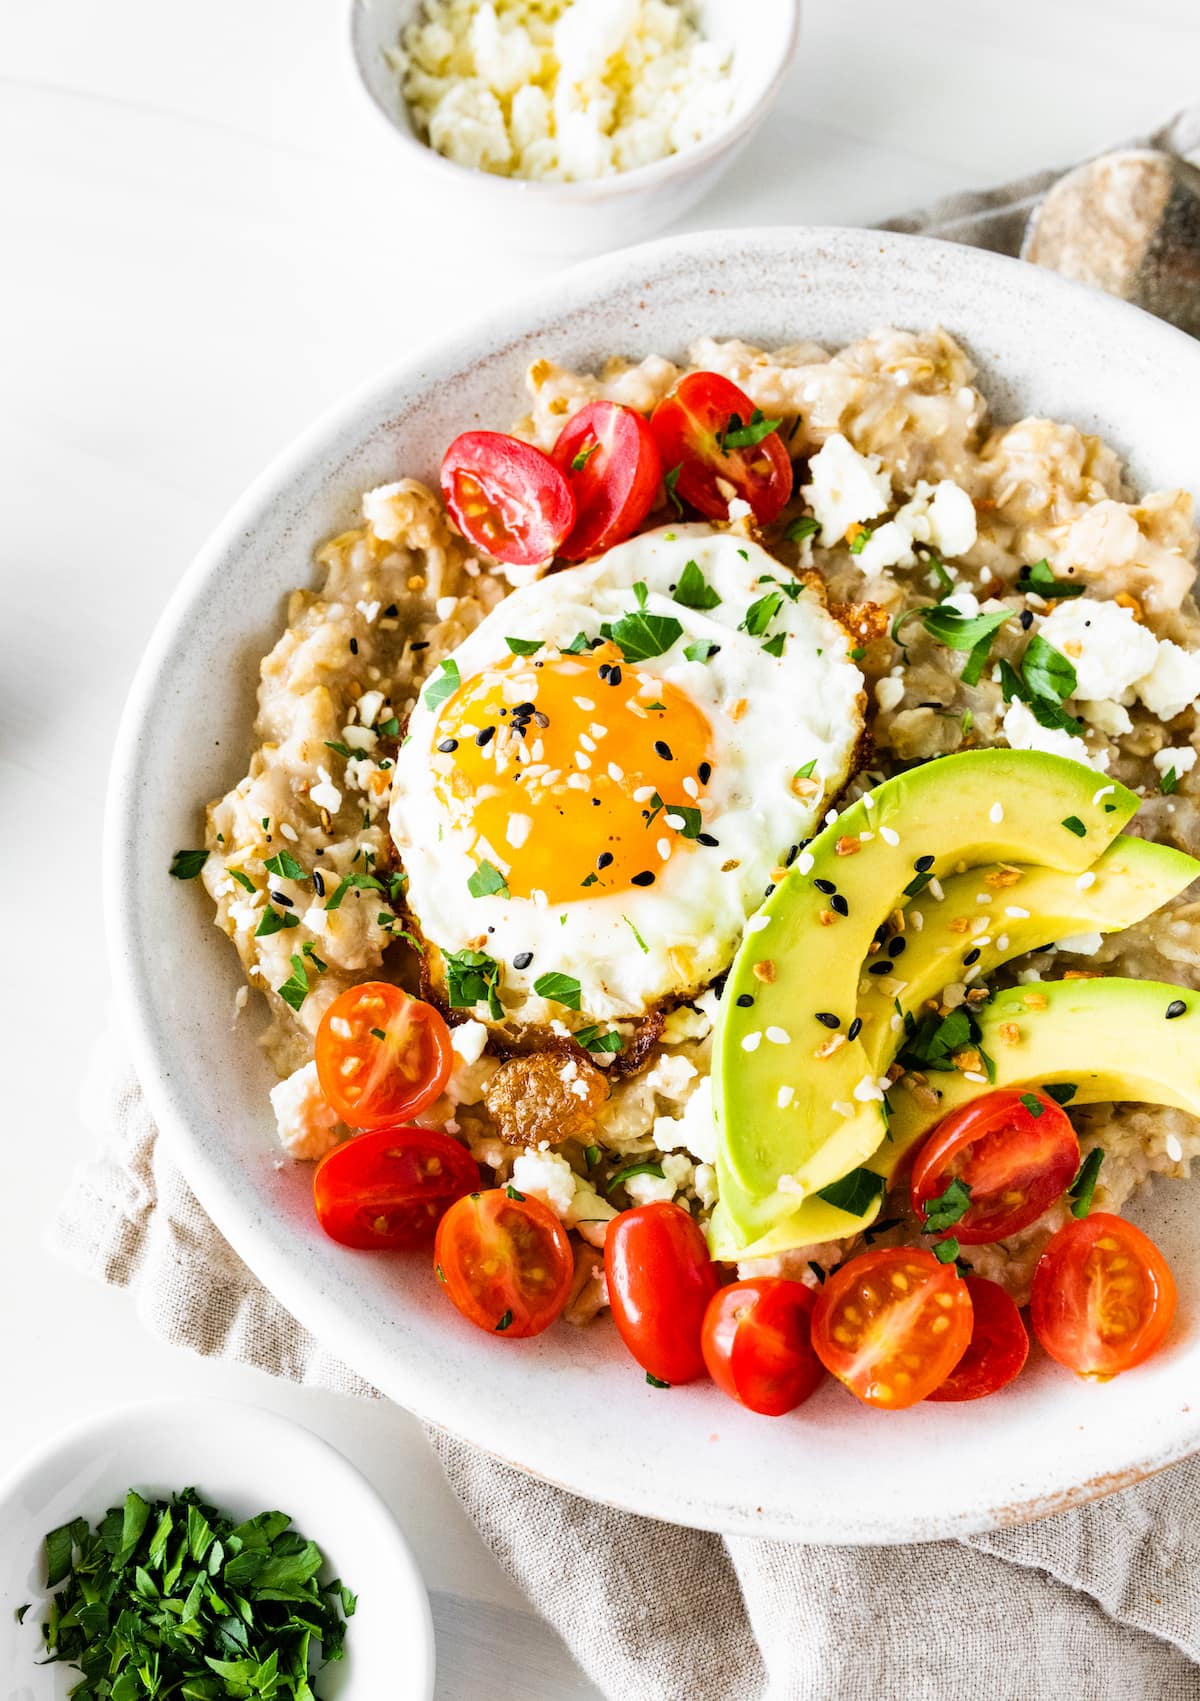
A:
[(573, 775)]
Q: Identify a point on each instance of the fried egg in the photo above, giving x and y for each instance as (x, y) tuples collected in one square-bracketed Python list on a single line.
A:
[(599, 784)]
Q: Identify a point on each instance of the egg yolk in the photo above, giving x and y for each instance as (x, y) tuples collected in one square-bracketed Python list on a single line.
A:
[(577, 775)]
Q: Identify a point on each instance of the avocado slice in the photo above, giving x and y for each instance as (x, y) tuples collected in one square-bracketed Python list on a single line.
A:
[(1094, 1041), (783, 1112), (990, 915)]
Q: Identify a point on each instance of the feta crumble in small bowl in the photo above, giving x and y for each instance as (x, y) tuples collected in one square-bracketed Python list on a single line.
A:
[(575, 126)]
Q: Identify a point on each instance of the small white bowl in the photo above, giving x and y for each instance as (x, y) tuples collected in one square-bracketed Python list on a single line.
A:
[(612, 212), (243, 1460)]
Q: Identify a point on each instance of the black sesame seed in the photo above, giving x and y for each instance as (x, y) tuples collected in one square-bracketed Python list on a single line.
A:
[(663, 749), (354, 646), (827, 1019), (645, 878), (881, 933), (838, 904), (883, 967), (855, 1028), (768, 891), (791, 856), (523, 710), (288, 903), (704, 772), (1026, 618), (603, 860), (522, 959), (826, 886), (447, 745), (1175, 1008), (423, 644), (605, 669), (391, 611), (595, 803), (744, 1000), (318, 880), (486, 735), (971, 957), (923, 864), (614, 676), (897, 946), (540, 719), (707, 839)]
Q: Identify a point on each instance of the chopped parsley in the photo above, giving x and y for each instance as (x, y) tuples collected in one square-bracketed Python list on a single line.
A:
[(774, 646), (854, 1193), (934, 1041), (739, 436), (274, 922), (804, 527), (473, 978), (242, 878), (1084, 1184), (389, 728), (641, 942), (973, 632), (807, 771), (640, 636), (1169, 782), (579, 643), (504, 1323), (656, 1381), (1040, 578), (285, 865), (684, 819), (670, 480), (512, 1193), (1074, 825), (295, 988), (701, 651), (761, 613), (1032, 1104), (585, 454), (1046, 671), (946, 1251), (624, 1175), (694, 590), (593, 1040), (338, 748), (563, 989), (862, 538), (186, 865), (947, 1209), (487, 882), (364, 882), (524, 646), (1062, 1092), (445, 685)]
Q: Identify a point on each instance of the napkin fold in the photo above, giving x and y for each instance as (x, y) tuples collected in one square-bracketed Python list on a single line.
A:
[(1098, 1602)]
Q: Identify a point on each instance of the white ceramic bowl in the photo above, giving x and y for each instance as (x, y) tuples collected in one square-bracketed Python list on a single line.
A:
[(569, 1405), (243, 1460), (582, 218)]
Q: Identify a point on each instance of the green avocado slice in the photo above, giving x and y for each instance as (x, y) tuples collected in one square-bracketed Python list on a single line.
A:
[(1093, 1041), (782, 1112)]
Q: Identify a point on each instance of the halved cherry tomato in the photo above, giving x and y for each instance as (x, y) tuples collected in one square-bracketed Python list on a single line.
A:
[(892, 1324), (1103, 1296), (388, 1190), (998, 1347), (703, 427), (1016, 1160), (505, 1261), (381, 1055), (757, 1344), (506, 497), (660, 1280), (610, 459)]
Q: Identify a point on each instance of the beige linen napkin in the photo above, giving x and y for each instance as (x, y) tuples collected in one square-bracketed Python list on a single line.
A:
[(1100, 1602)]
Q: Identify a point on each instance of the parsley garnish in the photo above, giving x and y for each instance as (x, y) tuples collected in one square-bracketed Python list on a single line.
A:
[(185, 865), (513, 1194), (1074, 825), (701, 651), (862, 538), (488, 882), (339, 749), (445, 685), (1040, 578), (275, 922), (1062, 1092), (946, 1251), (973, 632), (389, 728), (684, 819), (934, 1041), (624, 1175), (739, 436), (694, 590), (807, 771), (365, 882), (504, 1323), (774, 646), (242, 879), (854, 1193), (472, 978), (641, 636), (1046, 671), (1084, 1184), (563, 989), (1169, 782), (579, 643), (286, 866), (1032, 1104), (670, 480), (524, 646), (656, 1381), (295, 988), (593, 1040), (948, 1208), (804, 527), (172, 1598), (761, 613), (635, 933), (584, 456)]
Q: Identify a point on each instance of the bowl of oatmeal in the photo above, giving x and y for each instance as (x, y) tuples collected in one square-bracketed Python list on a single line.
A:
[(938, 406), (576, 126)]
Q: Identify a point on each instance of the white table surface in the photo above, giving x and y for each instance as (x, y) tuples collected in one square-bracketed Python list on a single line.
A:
[(204, 240)]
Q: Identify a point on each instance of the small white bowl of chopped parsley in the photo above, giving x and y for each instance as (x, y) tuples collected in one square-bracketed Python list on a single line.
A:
[(205, 1549)]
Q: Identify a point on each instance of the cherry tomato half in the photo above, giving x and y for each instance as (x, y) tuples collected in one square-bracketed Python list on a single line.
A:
[(703, 427), (1103, 1296), (389, 1189), (998, 1347), (892, 1324), (1017, 1152), (506, 497), (381, 1055), (660, 1280), (757, 1344), (505, 1261), (609, 457)]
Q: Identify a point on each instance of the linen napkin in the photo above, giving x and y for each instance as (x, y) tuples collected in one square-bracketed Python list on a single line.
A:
[(1098, 1602)]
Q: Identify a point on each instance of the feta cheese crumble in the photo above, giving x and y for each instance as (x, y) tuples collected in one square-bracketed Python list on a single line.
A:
[(1104, 644), (846, 488), (306, 1121)]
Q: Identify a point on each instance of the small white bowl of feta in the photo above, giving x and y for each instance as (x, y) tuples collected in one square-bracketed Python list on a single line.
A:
[(571, 126)]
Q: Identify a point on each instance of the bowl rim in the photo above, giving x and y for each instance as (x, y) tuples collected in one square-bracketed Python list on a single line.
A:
[(589, 190), (1176, 1433)]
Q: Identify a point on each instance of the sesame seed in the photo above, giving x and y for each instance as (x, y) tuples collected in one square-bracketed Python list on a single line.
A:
[(707, 839), (690, 787), (447, 745), (757, 923), (971, 957), (983, 897), (522, 959), (923, 864), (831, 816), (1017, 913), (804, 862), (318, 880), (1175, 1008), (582, 761), (1174, 1149), (288, 903), (842, 1108), (1002, 942), (603, 860), (973, 1075), (996, 813), (663, 847), (615, 773), (827, 1019), (779, 1036), (354, 646), (882, 967), (614, 676), (838, 904), (485, 736), (868, 801), (744, 1000), (586, 743), (935, 890), (751, 1042), (645, 878), (889, 835), (826, 886), (643, 794), (1026, 619), (705, 772), (1084, 881), (855, 1028), (584, 703), (663, 749), (784, 1097), (897, 946)]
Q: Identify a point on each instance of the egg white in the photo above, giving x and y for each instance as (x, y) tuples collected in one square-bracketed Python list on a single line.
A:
[(770, 716)]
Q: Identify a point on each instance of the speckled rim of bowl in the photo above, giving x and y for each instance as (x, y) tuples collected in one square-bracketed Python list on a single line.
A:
[(623, 183), (1154, 1420)]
